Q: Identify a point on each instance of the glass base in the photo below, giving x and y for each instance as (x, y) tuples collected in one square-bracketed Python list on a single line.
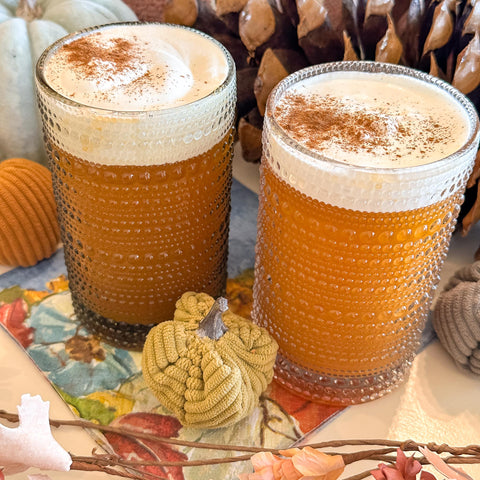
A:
[(340, 390), (119, 334)]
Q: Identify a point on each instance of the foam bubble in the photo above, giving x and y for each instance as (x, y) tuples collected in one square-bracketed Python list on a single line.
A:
[(389, 150)]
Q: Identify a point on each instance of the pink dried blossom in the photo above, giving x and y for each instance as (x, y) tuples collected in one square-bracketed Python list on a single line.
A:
[(295, 464), (405, 468)]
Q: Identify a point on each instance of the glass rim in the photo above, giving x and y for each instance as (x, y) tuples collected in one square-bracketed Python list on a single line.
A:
[(367, 66), (43, 59)]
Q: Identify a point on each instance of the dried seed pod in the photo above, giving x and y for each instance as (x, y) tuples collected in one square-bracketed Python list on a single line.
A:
[(245, 98), (311, 14), (380, 8), (467, 24), (374, 25), (467, 80), (263, 25), (472, 210), (475, 175), (257, 24), (440, 37), (289, 7), (467, 71), (236, 48), (224, 7), (472, 23), (250, 135), (208, 21), (473, 214), (318, 31), (182, 12), (229, 11), (408, 30), (430, 6), (349, 53), (275, 65), (435, 70), (399, 9), (389, 48), (148, 11), (353, 12), (442, 26)]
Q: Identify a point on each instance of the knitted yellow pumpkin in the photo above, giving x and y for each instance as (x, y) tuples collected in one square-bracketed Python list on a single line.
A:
[(29, 229), (208, 366)]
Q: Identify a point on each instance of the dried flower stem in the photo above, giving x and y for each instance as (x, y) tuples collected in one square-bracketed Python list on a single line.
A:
[(125, 431), (475, 460), (112, 464), (92, 467), (407, 445), (90, 464), (108, 460)]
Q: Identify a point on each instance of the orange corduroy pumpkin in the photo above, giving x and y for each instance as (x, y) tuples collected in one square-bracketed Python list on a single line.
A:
[(29, 230)]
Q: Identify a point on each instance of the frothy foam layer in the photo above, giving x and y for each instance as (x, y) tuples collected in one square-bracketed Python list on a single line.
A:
[(373, 120), (117, 87), (148, 67), (365, 131)]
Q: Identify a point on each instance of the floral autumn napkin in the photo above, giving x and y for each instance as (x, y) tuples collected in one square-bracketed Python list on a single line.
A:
[(104, 384)]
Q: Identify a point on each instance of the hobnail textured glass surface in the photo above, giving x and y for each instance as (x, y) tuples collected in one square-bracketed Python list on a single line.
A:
[(344, 291), (136, 238), (143, 200)]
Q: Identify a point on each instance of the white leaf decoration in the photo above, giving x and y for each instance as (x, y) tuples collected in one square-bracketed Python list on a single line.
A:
[(31, 444)]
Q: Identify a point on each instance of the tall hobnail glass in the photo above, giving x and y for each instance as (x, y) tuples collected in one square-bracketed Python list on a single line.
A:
[(347, 256), (143, 199)]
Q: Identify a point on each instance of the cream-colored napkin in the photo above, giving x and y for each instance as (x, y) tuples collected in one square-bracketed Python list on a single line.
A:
[(440, 403)]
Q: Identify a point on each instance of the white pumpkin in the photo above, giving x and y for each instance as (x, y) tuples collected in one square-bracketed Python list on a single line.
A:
[(27, 27)]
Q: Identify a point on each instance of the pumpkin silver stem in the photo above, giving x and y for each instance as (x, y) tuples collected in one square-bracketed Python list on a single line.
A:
[(212, 325)]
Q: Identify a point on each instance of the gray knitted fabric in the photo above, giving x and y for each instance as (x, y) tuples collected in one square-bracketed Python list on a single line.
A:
[(456, 317)]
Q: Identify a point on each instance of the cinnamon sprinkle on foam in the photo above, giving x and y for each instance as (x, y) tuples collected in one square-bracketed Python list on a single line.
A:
[(93, 57), (319, 121)]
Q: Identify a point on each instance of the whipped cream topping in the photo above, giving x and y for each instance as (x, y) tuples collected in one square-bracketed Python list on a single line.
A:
[(372, 141), (147, 67), (374, 120), (143, 94)]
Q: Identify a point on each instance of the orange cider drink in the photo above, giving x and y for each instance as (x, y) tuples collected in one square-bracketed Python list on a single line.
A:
[(362, 178), (138, 125)]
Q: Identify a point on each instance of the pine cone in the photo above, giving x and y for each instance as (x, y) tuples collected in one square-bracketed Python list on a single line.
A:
[(273, 38)]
